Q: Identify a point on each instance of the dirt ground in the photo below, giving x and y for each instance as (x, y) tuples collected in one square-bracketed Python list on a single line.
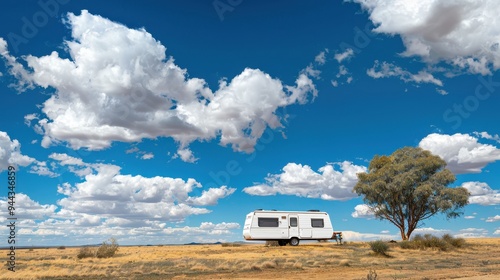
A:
[(479, 259)]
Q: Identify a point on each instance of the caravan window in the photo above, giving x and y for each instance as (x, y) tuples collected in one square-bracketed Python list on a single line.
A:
[(268, 222), (293, 222), (317, 223)]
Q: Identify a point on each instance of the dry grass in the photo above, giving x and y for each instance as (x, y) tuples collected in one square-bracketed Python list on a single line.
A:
[(307, 261)]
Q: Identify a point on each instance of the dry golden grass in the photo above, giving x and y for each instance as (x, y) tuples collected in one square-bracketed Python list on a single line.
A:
[(480, 258)]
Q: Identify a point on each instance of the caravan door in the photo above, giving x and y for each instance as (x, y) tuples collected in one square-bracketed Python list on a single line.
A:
[(293, 226)]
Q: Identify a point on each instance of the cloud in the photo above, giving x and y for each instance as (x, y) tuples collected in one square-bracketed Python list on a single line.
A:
[(385, 70), (108, 203), (469, 217), (463, 33), (29, 209), (462, 152), (134, 91), (442, 91), (358, 236), (301, 180), (482, 193), (472, 233), (493, 219), (430, 230), (108, 193), (362, 211), (321, 57), (488, 136), (346, 55), (147, 156), (10, 153)]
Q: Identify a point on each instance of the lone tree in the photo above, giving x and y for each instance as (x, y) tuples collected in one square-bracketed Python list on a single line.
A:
[(410, 186)]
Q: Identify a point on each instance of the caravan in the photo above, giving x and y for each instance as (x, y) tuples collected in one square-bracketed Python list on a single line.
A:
[(289, 226)]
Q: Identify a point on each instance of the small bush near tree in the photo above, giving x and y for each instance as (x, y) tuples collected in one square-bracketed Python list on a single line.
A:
[(379, 247), (85, 252), (107, 249), (444, 243)]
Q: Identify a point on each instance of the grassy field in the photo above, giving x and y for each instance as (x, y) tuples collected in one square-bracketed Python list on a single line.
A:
[(479, 259)]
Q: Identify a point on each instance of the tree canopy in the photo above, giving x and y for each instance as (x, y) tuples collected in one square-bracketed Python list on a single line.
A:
[(409, 186)]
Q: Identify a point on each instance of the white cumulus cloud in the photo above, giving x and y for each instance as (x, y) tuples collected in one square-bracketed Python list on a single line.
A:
[(496, 218), (10, 153), (134, 91), (481, 193), (462, 152), (301, 180), (362, 211), (464, 33)]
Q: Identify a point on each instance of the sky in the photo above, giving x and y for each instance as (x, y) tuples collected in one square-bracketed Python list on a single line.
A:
[(166, 122)]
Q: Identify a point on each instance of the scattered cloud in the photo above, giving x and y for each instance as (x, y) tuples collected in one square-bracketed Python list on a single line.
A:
[(321, 57), (488, 136), (469, 217), (429, 230), (358, 236), (462, 33), (362, 211), (497, 232), (346, 55), (10, 153), (493, 219), (385, 70), (482, 193), (147, 156), (442, 91), (301, 180), (462, 152), (472, 233), (134, 91), (30, 210)]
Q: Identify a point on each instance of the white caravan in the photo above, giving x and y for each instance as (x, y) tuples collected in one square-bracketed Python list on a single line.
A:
[(289, 226)]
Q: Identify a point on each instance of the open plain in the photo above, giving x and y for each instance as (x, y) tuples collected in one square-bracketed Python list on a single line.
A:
[(478, 259)]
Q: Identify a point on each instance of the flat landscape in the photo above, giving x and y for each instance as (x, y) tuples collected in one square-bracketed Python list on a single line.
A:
[(478, 259)]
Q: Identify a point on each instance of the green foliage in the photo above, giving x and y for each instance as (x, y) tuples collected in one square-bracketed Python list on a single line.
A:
[(380, 247), (107, 249), (409, 186), (429, 241)]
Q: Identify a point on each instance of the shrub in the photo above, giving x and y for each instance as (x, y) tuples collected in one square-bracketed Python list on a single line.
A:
[(85, 252), (61, 247), (379, 247), (372, 275), (272, 243), (107, 249), (455, 242), (430, 241)]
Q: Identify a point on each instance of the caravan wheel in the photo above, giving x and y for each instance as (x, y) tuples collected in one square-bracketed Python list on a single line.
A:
[(294, 241)]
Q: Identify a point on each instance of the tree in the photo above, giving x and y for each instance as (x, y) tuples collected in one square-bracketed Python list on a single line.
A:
[(409, 186)]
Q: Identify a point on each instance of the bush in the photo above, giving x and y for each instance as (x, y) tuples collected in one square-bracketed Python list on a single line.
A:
[(107, 249), (455, 242), (429, 241), (379, 247), (85, 252)]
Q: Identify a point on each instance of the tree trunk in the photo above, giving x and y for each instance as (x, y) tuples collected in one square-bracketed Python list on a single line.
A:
[(404, 236)]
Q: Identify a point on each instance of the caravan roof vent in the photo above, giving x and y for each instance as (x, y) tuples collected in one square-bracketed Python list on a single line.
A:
[(313, 210)]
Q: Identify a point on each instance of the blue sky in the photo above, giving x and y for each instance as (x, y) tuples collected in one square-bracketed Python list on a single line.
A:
[(167, 122)]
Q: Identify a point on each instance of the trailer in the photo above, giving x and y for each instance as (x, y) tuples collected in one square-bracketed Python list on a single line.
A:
[(289, 226)]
